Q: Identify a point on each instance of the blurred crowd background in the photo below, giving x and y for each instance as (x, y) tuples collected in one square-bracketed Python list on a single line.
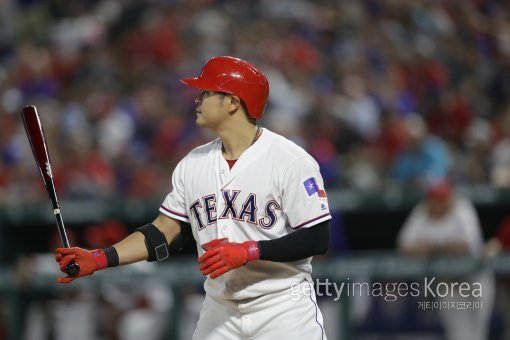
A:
[(379, 92), (385, 94)]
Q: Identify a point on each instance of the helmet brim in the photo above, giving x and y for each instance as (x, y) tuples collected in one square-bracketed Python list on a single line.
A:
[(202, 84)]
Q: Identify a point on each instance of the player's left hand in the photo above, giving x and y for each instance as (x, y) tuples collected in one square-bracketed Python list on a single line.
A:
[(214, 243), (224, 257)]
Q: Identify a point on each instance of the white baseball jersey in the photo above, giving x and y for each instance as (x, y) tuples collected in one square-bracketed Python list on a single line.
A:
[(459, 225), (274, 188)]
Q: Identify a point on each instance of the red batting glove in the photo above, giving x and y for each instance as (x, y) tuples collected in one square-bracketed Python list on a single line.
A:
[(88, 260), (214, 243), (226, 256)]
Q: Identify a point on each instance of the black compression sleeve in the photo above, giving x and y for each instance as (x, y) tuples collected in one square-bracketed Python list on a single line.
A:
[(298, 245)]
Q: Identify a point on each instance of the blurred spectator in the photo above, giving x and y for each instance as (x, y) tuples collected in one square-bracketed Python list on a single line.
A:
[(498, 244), (450, 118), (390, 140), (443, 224), (472, 164), (70, 316), (105, 233), (363, 173), (358, 108), (423, 159), (140, 310), (500, 158)]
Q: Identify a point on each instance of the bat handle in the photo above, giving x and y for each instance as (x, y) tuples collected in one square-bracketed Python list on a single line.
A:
[(72, 269)]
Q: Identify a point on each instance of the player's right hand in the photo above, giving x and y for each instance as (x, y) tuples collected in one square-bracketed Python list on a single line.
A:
[(88, 260)]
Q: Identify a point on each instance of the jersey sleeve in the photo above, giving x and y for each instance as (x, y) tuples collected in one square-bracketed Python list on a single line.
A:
[(304, 198), (469, 226), (174, 204), (410, 234)]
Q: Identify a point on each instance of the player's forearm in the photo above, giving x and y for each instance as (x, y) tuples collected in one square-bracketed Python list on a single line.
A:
[(298, 245), (453, 248), (134, 248), (222, 256), (131, 249), (429, 250), (416, 250)]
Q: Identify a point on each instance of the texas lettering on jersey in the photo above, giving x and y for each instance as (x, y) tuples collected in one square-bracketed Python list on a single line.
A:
[(237, 206)]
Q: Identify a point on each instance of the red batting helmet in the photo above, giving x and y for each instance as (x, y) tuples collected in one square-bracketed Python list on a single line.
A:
[(237, 77)]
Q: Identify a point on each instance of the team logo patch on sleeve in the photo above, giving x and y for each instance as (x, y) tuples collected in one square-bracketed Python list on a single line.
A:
[(312, 187)]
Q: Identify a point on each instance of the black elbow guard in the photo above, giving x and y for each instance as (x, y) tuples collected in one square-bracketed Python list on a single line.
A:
[(155, 241), (183, 240)]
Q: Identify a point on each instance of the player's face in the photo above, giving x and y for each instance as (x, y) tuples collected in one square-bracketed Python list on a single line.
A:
[(212, 109), (437, 208)]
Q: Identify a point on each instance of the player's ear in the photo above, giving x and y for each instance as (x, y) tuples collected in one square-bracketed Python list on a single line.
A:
[(234, 103)]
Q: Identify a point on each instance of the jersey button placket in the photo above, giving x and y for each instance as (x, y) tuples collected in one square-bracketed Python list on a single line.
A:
[(226, 228), (221, 227)]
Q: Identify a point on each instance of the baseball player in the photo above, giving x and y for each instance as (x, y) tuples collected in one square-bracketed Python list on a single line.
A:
[(257, 209)]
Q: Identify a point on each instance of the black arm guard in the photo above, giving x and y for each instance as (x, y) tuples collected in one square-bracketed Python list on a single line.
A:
[(155, 241), (183, 240)]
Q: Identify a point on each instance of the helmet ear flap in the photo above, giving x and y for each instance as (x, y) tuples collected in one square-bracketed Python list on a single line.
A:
[(236, 77)]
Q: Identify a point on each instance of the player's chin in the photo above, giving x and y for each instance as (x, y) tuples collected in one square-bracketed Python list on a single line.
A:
[(200, 120)]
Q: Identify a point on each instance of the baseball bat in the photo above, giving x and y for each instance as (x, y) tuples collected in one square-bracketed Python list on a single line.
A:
[(37, 141)]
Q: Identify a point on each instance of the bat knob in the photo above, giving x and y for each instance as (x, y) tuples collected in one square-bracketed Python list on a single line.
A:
[(72, 269)]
